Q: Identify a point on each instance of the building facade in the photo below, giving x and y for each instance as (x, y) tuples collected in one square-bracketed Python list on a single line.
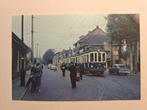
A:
[(96, 39), (17, 48)]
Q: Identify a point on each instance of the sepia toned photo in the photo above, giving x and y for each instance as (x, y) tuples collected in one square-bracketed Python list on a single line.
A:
[(77, 57)]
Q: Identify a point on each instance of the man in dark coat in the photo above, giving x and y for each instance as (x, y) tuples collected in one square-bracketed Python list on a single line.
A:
[(63, 67), (81, 70), (32, 79), (35, 78), (38, 75), (73, 74)]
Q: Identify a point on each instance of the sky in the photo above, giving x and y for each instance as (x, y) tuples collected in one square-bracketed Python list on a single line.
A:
[(56, 31)]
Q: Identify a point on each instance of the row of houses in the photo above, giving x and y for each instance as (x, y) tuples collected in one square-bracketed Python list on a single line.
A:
[(95, 39)]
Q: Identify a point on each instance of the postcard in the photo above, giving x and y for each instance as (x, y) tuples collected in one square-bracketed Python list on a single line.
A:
[(73, 55)]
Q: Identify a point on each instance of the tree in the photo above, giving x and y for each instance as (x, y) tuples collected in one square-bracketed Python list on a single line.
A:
[(48, 56), (125, 55), (124, 27)]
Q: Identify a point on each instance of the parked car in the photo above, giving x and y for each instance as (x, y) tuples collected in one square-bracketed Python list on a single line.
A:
[(120, 69), (49, 66), (52, 67)]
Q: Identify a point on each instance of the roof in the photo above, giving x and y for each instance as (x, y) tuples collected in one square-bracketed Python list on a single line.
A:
[(95, 40), (19, 41), (95, 37)]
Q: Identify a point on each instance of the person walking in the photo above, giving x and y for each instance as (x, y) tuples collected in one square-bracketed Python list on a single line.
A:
[(81, 70), (73, 74), (63, 67), (38, 76), (35, 78), (32, 80)]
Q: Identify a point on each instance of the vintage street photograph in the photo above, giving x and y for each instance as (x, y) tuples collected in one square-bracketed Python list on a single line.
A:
[(76, 57)]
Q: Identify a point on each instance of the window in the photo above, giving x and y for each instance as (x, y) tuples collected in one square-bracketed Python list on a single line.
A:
[(103, 56), (99, 57), (87, 58), (91, 57), (95, 57)]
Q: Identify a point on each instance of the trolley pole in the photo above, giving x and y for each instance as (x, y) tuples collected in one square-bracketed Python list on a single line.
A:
[(22, 74)]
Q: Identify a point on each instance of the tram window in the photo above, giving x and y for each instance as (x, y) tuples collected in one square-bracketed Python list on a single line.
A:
[(91, 57), (73, 60), (95, 57), (87, 58), (103, 56), (99, 56), (83, 59), (78, 60)]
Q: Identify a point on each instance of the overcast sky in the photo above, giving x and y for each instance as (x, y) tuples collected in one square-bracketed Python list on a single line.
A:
[(57, 31)]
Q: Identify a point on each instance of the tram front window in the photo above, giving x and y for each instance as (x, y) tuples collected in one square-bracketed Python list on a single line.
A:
[(99, 57), (91, 57), (95, 57), (103, 56)]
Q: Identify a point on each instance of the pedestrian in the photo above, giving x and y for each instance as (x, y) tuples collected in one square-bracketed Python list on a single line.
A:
[(35, 78), (81, 70), (32, 80), (63, 67), (38, 74), (73, 74)]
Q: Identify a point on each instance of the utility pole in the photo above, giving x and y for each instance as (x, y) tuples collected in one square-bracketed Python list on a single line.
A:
[(37, 46), (32, 40), (22, 74)]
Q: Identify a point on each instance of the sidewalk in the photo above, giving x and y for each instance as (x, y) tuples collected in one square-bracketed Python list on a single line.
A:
[(17, 91)]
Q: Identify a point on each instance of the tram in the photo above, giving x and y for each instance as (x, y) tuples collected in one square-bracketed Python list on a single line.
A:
[(94, 61)]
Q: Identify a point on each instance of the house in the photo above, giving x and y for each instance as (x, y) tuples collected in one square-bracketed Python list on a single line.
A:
[(57, 59), (95, 39), (17, 48)]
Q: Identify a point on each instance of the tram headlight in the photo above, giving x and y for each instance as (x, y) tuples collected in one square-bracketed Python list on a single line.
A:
[(91, 66)]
